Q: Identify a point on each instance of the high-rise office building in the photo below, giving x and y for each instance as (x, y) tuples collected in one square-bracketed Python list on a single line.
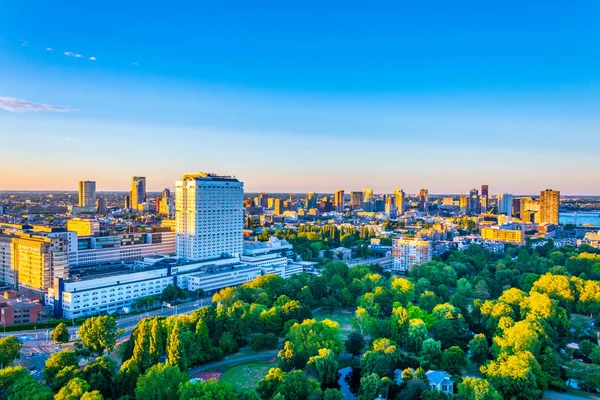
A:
[(209, 216), (263, 200), (516, 207), (399, 201), (356, 200), (127, 201), (474, 205), (87, 194), (485, 198), (277, 206), (138, 191), (311, 200), (367, 200), (339, 201), (390, 206), (549, 206), (102, 205), (463, 204), (423, 199), (505, 202)]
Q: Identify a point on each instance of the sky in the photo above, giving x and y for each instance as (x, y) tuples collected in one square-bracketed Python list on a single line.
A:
[(302, 96)]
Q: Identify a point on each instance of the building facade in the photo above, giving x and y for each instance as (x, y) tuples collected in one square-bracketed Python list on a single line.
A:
[(138, 192), (209, 216), (549, 206), (87, 194), (407, 252)]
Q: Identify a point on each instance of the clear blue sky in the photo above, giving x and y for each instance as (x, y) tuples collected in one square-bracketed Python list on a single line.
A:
[(302, 96)]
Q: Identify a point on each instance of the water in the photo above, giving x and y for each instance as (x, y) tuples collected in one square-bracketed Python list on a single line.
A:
[(348, 382), (590, 218)]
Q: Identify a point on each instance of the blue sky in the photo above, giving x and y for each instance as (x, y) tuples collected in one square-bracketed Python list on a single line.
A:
[(309, 96)]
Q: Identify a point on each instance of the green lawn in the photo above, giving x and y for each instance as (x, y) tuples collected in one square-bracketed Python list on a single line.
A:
[(244, 377), (343, 317)]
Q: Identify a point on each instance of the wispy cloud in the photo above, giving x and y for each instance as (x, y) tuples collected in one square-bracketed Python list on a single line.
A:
[(64, 138), (135, 63), (13, 104), (92, 58), (71, 54), (24, 43), (49, 49)]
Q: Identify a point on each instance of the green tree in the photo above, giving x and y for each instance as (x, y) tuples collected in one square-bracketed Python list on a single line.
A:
[(453, 359), (10, 350), (125, 380), (354, 344), (417, 333), (8, 377), (57, 362), (209, 390), (370, 387), (326, 365), (73, 390), (477, 389), (311, 335), (60, 334), (29, 389), (479, 349), (403, 290), (99, 374), (296, 386), (381, 359), (595, 355), (64, 376), (99, 333), (267, 386), (431, 351), (160, 382), (175, 351)]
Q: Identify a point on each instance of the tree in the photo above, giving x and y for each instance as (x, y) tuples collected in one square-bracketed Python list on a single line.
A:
[(28, 388), (477, 389), (311, 335), (370, 387), (268, 385), (326, 365), (57, 362), (517, 376), (160, 382), (296, 386), (125, 380), (586, 347), (209, 390), (381, 359), (453, 359), (431, 351), (172, 293), (94, 395), (99, 333), (417, 333), (8, 377), (99, 374), (479, 349), (354, 344), (175, 351), (261, 341), (73, 390), (595, 355), (60, 334), (403, 290), (10, 349), (64, 376)]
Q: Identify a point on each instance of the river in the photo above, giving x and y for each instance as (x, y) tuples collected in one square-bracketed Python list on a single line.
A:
[(589, 218)]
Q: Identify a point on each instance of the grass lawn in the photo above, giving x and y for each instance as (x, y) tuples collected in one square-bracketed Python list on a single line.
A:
[(245, 376), (343, 317)]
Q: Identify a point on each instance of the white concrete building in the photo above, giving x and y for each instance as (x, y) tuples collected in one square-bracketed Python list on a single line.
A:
[(209, 214), (407, 252)]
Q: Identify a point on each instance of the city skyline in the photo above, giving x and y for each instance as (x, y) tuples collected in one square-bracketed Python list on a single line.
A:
[(436, 96)]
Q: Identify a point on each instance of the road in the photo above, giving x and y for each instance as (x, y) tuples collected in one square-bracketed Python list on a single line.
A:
[(37, 346)]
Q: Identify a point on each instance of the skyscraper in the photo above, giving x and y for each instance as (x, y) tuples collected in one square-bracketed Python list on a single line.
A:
[(399, 201), (311, 200), (505, 202), (138, 191), (367, 200), (549, 206), (423, 199), (102, 205), (339, 201), (209, 216), (474, 206), (485, 198), (356, 200), (390, 206), (277, 206), (87, 194)]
